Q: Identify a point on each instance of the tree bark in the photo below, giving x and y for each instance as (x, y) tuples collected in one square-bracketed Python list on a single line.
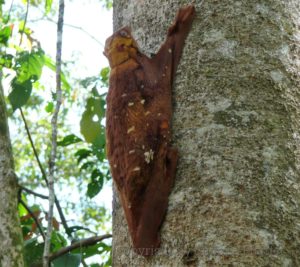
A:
[(236, 123), (11, 251)]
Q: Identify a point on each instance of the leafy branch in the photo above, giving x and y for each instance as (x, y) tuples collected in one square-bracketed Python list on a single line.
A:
[(81, 243), (27, 64), (22, 202), (59, 209), (29, 191), (46, 18)]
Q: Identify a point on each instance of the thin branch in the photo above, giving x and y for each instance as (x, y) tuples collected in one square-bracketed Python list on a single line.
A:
[(33, 147), (10, 8), (33, 217), (32, 192), (85, 32), (54, 120), (59, 209), (71, 26), (62, 217), (84, 263), (25, 21), (82, 243)]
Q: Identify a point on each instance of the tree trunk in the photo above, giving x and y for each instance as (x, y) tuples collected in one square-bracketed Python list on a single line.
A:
[(236, 123), (11, 251)]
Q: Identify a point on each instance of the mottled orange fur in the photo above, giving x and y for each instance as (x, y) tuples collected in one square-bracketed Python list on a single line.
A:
[(139, 110)]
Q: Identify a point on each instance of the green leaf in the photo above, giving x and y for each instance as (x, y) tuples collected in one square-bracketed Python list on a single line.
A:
[(75, 228), (57, 241), (97, 174), (6, 60), (33, 251), (99, 151), (105, 75), (29, 66), (50, 107), (90, 123), (5, 33), (20, 93), (89, 128), (89, 81), (25, 30), (49, 63), (48, 5), (69, 140), (96, 249), (87, 165), (93, 189), (95, 186), (67, 260), (33, 2), (35, 64), (108, 4), (22, 210), (82, 154)]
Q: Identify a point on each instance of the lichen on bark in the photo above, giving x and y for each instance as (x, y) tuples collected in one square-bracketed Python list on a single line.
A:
[(236, 123)]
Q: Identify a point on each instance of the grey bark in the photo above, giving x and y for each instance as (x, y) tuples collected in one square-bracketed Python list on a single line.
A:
[(11, 251), (236, 122)]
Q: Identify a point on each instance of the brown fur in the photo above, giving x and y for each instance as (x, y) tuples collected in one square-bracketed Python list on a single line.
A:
[(139, 110)]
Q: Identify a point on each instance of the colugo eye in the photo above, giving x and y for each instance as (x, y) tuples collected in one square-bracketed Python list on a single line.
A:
[(124, 33)]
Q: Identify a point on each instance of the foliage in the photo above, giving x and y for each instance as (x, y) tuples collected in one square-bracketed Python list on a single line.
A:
[(81, 163)]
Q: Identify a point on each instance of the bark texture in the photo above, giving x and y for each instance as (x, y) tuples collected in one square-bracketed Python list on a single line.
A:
[(236, 123), (11, 251)]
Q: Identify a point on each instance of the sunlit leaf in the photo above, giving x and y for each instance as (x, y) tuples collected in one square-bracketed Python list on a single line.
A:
[(29, 65), (20, 93), (90, 123), (48, 5), (108, 4), (50, 107), (51, 65), (89, 128), (23, 29), (35, 64), (5, 33), (22, 210), (33, 2), (105, 75)]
